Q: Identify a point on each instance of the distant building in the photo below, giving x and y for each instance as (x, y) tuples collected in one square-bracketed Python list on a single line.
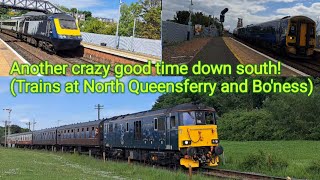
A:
[(107, 20)]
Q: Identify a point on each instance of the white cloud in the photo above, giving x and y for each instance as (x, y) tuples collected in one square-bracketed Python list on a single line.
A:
[(249, 10)]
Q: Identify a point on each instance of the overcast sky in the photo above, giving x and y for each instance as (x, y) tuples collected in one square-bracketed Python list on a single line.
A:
[(47, 109), (252, 11)]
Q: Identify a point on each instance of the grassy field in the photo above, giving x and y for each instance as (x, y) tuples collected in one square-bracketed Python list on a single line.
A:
[(33, 165), (296, 159)]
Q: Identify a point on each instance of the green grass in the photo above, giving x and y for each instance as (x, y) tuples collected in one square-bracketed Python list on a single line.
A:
[(295, 159), (33, 165)]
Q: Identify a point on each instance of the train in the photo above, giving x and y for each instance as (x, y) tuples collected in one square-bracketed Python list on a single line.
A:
[(294, 36), (52, 32), (184, 135)]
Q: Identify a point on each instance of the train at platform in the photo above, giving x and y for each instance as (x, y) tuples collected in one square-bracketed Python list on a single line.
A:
[(52, 32), (183, 135), (294, 36)]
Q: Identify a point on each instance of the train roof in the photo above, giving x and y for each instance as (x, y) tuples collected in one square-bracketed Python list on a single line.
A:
[(78, 125), (19, 134), (181, 107), (45, 130), (276, 20)]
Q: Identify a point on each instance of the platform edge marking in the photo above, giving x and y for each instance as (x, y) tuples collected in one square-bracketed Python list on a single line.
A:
[(276, 61)]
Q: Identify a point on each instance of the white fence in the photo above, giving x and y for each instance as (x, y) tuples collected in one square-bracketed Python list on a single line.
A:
[(176, 33), (139, 45)]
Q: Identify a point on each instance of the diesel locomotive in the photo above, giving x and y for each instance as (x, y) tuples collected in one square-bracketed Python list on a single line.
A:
[(183, 135), (294, 36), (52, 32)]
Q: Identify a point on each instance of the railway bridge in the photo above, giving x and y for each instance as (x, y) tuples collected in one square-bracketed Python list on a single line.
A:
[(32, 5)]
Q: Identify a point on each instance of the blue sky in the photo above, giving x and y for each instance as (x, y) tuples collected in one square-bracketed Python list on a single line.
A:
[(99, 8), (47, 109), (252, 11)]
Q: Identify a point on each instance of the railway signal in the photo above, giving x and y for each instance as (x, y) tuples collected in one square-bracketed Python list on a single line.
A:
[(222, 15)]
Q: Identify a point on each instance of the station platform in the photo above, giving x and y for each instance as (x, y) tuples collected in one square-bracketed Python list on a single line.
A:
[(215, 52), (7, 57), (122, 53)]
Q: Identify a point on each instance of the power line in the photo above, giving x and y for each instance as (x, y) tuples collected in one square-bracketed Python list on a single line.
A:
[(7, 125), (98, 107)]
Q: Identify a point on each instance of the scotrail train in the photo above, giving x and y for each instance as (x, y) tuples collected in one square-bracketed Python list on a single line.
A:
[(53, 32), (294, 36), (185, 134)]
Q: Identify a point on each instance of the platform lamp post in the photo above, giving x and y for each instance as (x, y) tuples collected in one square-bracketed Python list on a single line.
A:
[(117, 33), (190, 21), (7, 123)]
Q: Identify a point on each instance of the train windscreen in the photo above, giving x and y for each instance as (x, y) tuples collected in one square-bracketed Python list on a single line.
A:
[(67, 24), (198, 118)]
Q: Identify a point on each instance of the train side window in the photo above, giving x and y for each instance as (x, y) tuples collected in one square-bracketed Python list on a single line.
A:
[(155, 123), (172, 121), (110, 128), (137, 130), (127, 127), (161, 124)]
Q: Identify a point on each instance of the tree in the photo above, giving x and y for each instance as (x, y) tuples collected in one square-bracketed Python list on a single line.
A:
[(150, 26), (93, 25), (182, 17), (128, 14)]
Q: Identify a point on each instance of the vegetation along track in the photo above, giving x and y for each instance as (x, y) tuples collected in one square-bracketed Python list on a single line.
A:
[(35, 55), (230, 174), (310, 66)]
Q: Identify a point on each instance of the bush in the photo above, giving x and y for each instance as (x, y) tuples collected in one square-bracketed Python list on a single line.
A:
[(245, 125), (261, 161)]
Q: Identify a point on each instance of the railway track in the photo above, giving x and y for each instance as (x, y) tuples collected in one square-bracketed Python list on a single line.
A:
[(309, 66), (230, 174)]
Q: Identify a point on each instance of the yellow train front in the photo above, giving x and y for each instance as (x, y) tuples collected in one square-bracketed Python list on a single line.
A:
[(300, 36), (198, 140)]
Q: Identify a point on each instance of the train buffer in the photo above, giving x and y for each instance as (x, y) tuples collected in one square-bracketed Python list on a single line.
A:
[(7, 57)]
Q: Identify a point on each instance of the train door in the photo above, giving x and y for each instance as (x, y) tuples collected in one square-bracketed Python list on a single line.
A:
[(172, 131), (303, 34)]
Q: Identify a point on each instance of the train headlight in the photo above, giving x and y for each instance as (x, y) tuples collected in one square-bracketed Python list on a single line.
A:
[(186, 142), (63, 37), (291, 38), (215, 141)]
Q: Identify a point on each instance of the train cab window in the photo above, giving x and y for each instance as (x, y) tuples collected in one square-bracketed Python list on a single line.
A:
[(155, 123), (188, 118), (210, 118), (67, 24), (172, 121), (137, 130), (312, 31), (127, 129), (293, 30)]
